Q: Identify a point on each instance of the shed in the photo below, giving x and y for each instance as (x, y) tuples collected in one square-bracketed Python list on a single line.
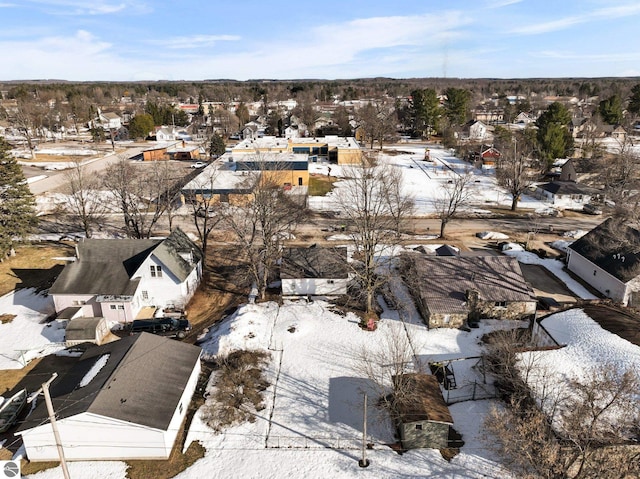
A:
[(86, 330), (424, 419)]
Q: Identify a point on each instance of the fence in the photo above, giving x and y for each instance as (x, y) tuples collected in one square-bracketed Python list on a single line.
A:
[(310, 442), (470, 392)]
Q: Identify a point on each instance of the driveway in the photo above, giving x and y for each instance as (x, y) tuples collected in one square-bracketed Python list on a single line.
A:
[(546, 284)]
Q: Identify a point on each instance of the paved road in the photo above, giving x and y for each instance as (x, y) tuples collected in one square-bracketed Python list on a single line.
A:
[(56, 179)]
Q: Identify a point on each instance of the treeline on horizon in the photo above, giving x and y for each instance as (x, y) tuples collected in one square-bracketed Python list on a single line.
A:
[(318, 90)]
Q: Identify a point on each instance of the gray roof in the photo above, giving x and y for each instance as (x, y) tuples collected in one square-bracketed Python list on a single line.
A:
[(314, 262), (443, 281), (142, 382), (446, 250), (614, 247), (81, 329), (568, 188), (105, 266)]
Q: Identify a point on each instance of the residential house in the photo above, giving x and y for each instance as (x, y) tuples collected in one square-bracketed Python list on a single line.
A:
[(487, 157), (424, 417), (107, 121), (449, 290), (476, 131), (314, 271), (608, 259), (123, 400), (566, 194), (116, 278), (524, 118)]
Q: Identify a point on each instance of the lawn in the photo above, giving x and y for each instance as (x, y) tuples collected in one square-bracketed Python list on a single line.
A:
[(33, 266), (321, 185)]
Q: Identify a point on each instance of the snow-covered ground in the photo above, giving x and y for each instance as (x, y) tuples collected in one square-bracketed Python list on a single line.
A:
[(312, 425), (423, 180), (26, 337)]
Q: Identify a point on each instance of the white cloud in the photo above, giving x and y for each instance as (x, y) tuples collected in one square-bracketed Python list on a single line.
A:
[(501, 3), (195, 41), (601, 57), (95, 7), (617, 11)]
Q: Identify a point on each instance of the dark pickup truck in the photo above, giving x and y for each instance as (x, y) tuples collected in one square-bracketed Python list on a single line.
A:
[(172, 327)]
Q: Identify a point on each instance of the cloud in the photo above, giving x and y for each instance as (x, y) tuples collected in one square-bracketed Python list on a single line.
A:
[(501, 3), (567, 22), (95, 7), (7, 5), (600, 57), (195, 41)]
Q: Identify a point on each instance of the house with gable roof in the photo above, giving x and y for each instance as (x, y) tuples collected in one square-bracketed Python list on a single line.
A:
[(122, 400), (116, 279), (608, 259)]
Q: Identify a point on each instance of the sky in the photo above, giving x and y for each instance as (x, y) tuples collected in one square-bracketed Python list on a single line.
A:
[(128, 40)]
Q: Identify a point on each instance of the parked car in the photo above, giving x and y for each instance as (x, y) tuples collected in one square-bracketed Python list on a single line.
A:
[(171, 327), (206, 212), (198, 164), (591, 209)]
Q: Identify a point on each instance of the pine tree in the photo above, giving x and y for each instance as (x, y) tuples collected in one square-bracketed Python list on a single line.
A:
[(216, 146), (17, 205)]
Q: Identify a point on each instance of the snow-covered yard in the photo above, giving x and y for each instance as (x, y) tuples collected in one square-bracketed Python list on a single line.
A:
[(26, 337), (423, 179)]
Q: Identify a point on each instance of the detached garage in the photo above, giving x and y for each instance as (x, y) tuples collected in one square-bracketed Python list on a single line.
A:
[(86, 330), (123, 400)]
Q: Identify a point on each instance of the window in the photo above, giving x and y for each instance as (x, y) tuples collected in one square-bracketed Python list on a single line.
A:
[(299, 181), (113, 306), (501, 304), (594, 272), (180, 408), (145, 295), (121, 306), (156, 271), (418, 427), (330, 281)]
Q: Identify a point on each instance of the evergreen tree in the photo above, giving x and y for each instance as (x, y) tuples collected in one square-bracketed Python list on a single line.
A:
[(554, 138), (425, 111), (634, 101), (216, 146), (141, 125), (17, 205), (610, 110), (457, 105)]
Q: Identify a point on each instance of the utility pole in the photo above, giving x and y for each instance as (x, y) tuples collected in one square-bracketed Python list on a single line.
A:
[(364, 462), (54, 425)]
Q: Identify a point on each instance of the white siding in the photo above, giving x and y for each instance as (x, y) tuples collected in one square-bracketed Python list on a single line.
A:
[(161, 291), (319, 286), (604, 282), (82, 441), (115, 440)]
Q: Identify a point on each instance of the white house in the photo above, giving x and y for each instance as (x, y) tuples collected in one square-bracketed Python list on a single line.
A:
[(608, 258), (108, 121), (314, 271), (566, 194), (122, 400), (116, 278)]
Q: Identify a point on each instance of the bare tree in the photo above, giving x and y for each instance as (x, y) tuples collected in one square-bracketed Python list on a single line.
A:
[(512, 173), (84, 202), (553, 428), (264, 221), (386, 362), (373, 205), (206, 208), (452, 197), (139, 194)]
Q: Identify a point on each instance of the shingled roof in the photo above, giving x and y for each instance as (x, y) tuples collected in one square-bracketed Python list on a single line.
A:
[(425, 403), (314, 262), (442, 281), (141, 382), (614, 247), (106, 266), (568, 188)]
